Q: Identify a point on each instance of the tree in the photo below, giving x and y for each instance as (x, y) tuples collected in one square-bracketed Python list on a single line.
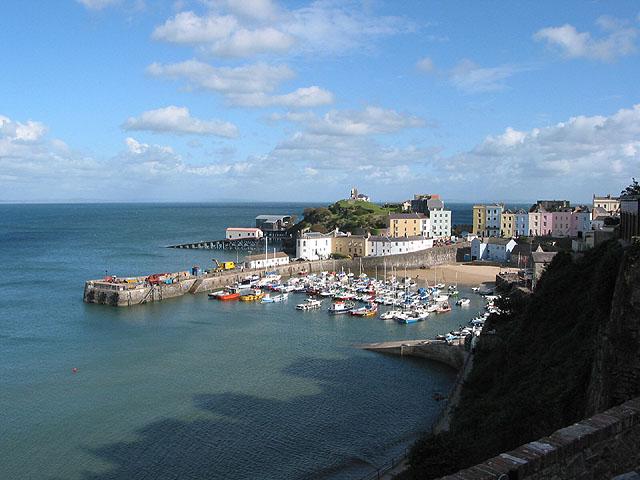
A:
[(633, 189)]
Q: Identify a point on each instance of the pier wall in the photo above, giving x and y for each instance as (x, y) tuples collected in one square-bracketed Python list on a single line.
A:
[(436, 350), (602, 446), (94, 293)]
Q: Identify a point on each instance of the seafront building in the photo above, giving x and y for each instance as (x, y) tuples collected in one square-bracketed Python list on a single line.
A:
[(521, 223), (492, 249), (479, 219), (274, 226), (385, 245), (350, 245), (539, 261), (408, 224), (314, 245), (266, 260), (508, 224), (234, 233)]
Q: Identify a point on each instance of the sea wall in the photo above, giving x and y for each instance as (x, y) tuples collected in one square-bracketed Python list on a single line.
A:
[(94, 293), (602, 446), (436, 350)]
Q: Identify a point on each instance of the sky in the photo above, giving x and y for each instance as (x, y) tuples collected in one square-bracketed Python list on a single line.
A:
[(260, 100)]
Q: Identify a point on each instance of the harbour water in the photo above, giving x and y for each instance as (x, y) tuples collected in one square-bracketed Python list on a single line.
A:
[(187, 388)]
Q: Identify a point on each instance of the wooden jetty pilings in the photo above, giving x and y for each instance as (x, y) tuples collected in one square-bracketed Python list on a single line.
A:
[(225, 244)]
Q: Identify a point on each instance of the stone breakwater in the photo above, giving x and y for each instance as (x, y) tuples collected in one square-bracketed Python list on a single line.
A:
[(123, 295)]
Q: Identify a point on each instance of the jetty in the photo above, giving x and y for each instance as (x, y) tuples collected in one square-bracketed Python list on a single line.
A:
[(451, 353), (224, 244)]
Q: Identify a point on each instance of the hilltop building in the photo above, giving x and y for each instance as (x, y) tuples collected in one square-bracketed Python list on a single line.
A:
[(360, 197), (608, 203)]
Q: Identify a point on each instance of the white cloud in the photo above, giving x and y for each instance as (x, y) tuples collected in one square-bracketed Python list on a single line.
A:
[(97, 4), (574, 157), (472, 78), (235, 28), (258, 77), (247, 86), (369, 121), (619, 40), (178, 120), (21, 132), (425, 65), (301, 98)]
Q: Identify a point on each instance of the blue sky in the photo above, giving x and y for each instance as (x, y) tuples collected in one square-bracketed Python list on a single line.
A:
[(204, 100)]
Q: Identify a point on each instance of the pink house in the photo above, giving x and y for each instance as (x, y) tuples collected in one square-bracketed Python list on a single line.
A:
[(561, 223)]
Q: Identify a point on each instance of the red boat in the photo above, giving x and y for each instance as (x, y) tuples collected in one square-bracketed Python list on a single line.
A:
[(227, 294)]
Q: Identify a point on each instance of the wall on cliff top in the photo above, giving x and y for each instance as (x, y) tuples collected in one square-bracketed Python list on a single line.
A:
[(616, 370)]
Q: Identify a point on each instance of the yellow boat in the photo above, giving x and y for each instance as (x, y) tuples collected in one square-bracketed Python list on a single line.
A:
[(254, 296)]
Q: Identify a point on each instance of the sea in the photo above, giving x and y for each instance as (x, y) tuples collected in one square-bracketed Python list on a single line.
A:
[(189, 388)]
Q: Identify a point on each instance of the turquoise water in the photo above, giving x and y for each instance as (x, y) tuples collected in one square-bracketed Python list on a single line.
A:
[(186, 388)]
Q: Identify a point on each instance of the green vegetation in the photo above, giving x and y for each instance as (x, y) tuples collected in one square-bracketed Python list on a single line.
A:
[(633, 189), (346, 215), (530, 378)]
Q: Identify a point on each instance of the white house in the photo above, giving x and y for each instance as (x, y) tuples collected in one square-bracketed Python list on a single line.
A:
[(440, 223), (492, 249), (266, 260), (233, 233), (493, 214), (381, 245), (314, 245)]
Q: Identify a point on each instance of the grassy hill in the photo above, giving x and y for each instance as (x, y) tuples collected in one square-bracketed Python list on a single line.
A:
[(347, 215)]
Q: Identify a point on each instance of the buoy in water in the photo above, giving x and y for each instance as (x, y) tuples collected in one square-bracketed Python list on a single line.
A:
[(74, 370)]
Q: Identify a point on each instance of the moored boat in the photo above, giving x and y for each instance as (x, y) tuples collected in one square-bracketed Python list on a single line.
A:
[(339, 308)]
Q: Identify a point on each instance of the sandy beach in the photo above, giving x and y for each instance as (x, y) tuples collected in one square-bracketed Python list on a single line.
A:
[(464, 274)]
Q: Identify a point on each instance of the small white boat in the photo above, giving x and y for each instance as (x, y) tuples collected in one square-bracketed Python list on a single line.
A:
[(390, 315), (309, 304), (339, 308), (463, 302)]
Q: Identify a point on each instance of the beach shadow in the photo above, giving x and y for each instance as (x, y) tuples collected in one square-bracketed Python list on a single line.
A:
[(276, 436)]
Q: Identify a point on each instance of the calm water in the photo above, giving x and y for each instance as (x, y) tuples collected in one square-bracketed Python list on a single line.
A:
[(186, 388)]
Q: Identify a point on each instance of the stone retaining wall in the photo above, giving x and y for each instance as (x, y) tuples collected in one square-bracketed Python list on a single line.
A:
[(599, 447)]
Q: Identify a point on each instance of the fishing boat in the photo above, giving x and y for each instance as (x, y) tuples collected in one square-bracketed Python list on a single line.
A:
[(252, 295), (463, 302), (309, 304), (339, 308), (444, 308), (368, 311), (228, 293), (390, 315)]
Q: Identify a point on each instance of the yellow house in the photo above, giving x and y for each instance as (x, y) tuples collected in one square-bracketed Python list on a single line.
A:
[(479, 219), (408, 224), (352, 245), (507, 224)]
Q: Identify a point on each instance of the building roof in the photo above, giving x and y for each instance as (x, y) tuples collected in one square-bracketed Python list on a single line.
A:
[(244, 229), (251, 258), (407, 216), (316, 235), (380, 238), (272, 218), (607, 197), (542, 257), (495, 240)]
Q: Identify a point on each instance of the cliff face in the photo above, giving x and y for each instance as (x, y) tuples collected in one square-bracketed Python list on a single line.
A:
[(615, 376)]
